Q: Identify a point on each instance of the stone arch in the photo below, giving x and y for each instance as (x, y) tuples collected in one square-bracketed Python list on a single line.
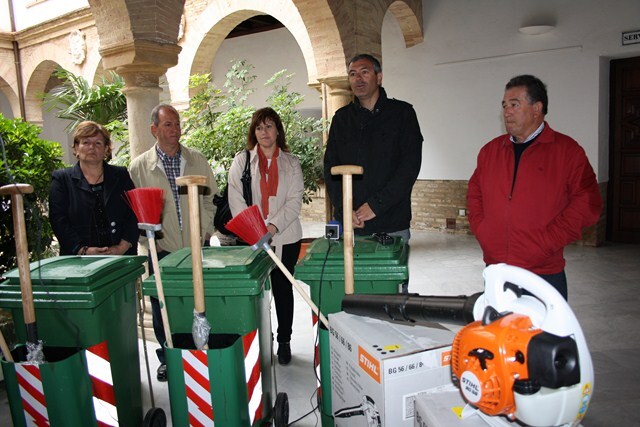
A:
[(409, 16), (98, 73), (12, 97), (210, 27), (124, 22), (366, 26), (35, 86), (40, 60)]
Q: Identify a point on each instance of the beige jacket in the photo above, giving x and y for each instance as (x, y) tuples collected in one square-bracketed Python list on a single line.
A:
[(284, 208), (146, 171)]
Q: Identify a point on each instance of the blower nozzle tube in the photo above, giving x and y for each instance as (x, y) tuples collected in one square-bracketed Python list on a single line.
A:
[(412, 307)]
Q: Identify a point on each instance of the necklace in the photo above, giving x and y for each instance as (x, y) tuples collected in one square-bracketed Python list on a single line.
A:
[(97, 180)]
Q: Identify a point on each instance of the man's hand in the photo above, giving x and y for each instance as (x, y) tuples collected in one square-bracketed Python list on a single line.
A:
[(94, 250), (272, 229), (119, 249), (364, 213), (355, 221)]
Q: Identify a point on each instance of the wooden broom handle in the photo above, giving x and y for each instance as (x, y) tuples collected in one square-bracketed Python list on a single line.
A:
[(153, 250), (5, 349), (297, 286), (347, 171), (22, 249), (192, 182)]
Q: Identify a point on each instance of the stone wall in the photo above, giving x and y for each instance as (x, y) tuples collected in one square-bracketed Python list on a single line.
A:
[(440, 205)]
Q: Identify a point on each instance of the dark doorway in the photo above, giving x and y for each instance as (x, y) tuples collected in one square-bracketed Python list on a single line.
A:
[(624, 152)]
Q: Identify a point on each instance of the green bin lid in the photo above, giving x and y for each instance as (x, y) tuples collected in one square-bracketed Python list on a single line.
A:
[(73, 280), (366, 251), (227, 271), (370, 259)]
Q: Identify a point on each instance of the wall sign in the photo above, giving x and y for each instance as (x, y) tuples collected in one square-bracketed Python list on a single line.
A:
[(630, 37)]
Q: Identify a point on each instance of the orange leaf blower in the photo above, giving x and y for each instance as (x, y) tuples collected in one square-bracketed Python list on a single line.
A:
[(524, 356)]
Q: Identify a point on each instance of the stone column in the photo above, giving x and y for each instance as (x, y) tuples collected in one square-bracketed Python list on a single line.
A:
[(336, 93), (143, 94), (140, 63)]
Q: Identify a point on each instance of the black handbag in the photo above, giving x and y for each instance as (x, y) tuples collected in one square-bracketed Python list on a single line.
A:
[(223, 212)]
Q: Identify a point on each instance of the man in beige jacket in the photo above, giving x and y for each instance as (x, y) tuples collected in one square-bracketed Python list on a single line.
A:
[(159, 167)]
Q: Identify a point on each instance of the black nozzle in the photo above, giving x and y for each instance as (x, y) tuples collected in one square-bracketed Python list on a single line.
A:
[(412, 307)]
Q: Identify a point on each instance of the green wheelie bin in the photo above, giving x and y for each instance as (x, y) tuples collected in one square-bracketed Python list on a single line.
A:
[(377, 269), (85, 310), (235, 374)]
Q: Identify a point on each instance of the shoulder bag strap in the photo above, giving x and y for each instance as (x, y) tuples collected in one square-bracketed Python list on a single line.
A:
[(246, 180)]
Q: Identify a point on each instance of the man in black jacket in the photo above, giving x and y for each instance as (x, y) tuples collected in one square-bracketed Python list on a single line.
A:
[(383, 136)]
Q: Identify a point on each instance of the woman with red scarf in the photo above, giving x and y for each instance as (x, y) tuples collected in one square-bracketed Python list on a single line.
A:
[(276, 187)]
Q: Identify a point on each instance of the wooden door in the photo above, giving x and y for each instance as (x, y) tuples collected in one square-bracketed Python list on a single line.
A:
[(624, 152)]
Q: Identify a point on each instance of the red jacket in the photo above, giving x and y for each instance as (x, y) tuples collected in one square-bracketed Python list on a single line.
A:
[(528, 221)]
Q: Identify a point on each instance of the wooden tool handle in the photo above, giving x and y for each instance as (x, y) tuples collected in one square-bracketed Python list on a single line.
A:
[(5, 349), (12, 189), (296, 285), (192, 182), (22, 253), (156, 270), (347, 172), (189, 180)]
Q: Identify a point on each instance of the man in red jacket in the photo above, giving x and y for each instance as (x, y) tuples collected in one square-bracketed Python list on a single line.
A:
[(533, 190)]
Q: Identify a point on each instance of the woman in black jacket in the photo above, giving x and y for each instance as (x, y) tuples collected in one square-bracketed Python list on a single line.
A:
[(87, 209)]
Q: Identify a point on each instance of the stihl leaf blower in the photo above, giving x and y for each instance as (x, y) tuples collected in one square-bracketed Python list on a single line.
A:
[(521, 353)]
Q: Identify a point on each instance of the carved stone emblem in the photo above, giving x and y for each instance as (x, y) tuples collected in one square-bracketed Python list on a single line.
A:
[(77, 47)]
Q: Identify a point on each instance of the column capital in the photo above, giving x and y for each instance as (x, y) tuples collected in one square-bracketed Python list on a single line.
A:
[(338, 85), (140, 55)]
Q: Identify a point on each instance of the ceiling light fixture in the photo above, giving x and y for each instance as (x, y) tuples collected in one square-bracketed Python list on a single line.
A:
[(535, 30)]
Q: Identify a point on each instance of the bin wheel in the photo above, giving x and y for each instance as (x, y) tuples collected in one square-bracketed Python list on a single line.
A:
[(281, 411), (155, 418)]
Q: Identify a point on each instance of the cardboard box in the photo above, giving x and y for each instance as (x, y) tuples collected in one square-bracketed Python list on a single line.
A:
[(378, 368), (445, 407)]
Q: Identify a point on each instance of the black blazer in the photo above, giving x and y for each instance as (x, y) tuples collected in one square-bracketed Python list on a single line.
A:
[(71, 204)]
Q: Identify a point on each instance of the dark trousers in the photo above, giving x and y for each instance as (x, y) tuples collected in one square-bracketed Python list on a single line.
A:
[(283, 291), (558, 281), (156, 314), (406, 235)]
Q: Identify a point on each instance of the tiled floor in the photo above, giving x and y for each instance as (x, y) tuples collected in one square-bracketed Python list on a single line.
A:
[(604, 289)]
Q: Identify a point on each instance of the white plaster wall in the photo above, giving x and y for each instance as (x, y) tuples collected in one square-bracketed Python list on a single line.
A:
[(53, 129), (5, 19), (456, 78), (28, 13), (269, 52)]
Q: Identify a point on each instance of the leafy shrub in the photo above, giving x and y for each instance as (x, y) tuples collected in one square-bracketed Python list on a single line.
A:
[(26, 159)]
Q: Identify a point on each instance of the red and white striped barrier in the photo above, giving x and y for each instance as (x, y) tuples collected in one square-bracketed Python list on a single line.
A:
[(198, 388), (197, 382), (32, 395), (104, 400), (253, 374), (316, 359), (33, 398)]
